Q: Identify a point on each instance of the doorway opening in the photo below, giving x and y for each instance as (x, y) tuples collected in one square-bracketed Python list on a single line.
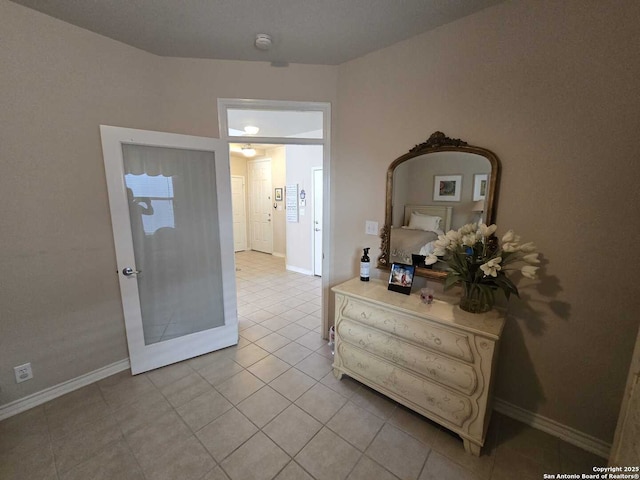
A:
[(271, 228), (294, 137)]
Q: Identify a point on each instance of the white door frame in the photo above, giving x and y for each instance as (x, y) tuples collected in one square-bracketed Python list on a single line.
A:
[(313, 222), (244, 207), (230, 103)]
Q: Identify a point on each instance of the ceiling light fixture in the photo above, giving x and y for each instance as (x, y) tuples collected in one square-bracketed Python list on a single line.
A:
[(251, 130), (263, 41), (248, 151)]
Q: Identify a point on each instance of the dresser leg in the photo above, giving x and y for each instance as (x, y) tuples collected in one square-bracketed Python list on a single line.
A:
[(337, 373), (470, 447)]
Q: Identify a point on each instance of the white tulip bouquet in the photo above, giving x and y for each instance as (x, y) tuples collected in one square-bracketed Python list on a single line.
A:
[(479, 262)]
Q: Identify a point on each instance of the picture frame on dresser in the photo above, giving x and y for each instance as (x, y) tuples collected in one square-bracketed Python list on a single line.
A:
[(401, 278)]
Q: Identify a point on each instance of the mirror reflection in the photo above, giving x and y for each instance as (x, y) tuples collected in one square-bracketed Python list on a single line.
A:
[(439, 185), (431, 180)]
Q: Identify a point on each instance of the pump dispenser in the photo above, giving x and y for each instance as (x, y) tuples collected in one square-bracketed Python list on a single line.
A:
[(365, 265)]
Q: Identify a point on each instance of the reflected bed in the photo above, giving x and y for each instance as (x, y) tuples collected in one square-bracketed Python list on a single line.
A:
[(418, 229)]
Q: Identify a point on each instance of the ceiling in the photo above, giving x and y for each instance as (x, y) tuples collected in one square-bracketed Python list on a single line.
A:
[(325, 32)]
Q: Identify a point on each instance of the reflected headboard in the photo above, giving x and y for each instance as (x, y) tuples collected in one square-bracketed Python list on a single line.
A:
[(435, 210)]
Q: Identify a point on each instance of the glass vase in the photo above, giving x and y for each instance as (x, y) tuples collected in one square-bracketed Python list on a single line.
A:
[(473, 300)]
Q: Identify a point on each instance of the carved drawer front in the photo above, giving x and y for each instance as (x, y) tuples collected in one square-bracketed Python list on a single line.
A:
[(451, 373), (453, 408), (415, 330)]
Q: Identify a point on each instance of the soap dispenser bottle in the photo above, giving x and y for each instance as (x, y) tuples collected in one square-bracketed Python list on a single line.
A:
[(365, 265)]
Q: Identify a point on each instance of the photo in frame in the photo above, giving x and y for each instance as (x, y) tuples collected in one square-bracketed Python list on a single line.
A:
[(401, 278), (447, 188), (480, 181), (278, 194)]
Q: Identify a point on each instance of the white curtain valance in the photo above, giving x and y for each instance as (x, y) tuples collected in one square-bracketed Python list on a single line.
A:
[(156, 161)]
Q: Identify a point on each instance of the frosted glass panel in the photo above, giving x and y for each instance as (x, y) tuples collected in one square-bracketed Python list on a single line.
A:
[(275, 123), (176, 239)]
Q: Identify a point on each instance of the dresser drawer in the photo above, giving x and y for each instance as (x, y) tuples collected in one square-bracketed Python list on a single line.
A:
[(452, 373), (427, 396), (413, 329)]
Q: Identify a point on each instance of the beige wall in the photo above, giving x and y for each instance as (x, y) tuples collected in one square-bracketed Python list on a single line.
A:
[(300, 160), (552, 88), (238, 165), (192, 87), (59, 301)]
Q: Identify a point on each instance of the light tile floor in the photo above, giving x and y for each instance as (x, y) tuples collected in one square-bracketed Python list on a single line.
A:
[(268, 408)]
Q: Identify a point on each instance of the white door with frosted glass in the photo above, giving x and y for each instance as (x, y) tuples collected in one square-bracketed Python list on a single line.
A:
[(170, 202), (260, 205)]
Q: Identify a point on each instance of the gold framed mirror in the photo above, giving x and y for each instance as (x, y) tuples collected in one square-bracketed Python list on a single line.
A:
[(439, 185)]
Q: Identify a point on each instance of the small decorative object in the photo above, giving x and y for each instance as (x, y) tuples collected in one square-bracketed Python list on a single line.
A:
[(365, 265), (291, 203), (426, 295), (446, 188), (417, 260), (401, 278), (479, 262), (278, 194), (332, 339)]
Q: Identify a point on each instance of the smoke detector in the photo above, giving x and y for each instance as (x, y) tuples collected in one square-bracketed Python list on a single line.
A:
[(263, 41)]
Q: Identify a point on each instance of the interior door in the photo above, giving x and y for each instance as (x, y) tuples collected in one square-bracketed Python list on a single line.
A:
[(170, 202), (239, 213), (260, 205), (317, 222)]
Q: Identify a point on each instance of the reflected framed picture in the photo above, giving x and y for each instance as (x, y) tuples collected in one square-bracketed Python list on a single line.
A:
[(447, 188), (479, 186), (401, 278), (278, 194)]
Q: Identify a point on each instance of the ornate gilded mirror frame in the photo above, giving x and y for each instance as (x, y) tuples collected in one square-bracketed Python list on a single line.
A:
[(437, 142)]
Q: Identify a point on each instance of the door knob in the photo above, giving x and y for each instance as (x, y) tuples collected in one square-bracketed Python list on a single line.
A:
[(317, 229), (128, 271)]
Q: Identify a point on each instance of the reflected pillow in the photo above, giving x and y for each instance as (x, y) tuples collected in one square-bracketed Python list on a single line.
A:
[(419, 221)]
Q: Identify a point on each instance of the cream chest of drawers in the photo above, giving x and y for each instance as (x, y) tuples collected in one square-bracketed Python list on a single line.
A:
[(435, 359)]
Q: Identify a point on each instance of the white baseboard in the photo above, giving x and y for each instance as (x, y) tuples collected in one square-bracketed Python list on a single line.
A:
[(38, 398), (568, 434), (291, 268), (279, 255)]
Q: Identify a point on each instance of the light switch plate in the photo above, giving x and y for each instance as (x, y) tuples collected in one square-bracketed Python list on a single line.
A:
[(371, 227)]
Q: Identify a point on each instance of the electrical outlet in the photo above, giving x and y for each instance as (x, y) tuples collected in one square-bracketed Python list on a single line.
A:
[(23, 372), (371, 227)]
